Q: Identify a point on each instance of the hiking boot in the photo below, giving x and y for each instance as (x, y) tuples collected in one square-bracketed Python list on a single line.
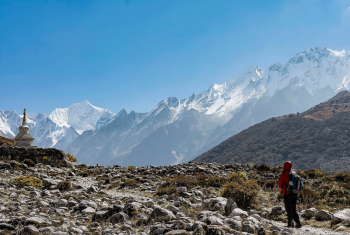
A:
[(298, 225), (290, 224)]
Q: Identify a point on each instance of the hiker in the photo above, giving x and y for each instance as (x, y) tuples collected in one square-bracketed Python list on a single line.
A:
[(290, 197)]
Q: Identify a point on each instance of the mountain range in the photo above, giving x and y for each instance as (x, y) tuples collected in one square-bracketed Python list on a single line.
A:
[(180, 130), (316, 138)]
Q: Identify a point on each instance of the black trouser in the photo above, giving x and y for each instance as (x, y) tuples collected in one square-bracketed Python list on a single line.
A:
[(290, 203)]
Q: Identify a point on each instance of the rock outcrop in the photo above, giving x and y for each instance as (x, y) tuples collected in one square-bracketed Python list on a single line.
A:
[(46, 156)]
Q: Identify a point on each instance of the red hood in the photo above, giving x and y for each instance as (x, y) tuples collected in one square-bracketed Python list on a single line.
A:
[(287, 166)]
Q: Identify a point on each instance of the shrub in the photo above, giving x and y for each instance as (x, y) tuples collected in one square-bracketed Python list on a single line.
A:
[(81, 166), (241, 176), (242, 192), (270, 184), (311, 173), (168, 190), (23, 181), (263, 167), (71, 158), (215, 182), (277, 169), (29, 162), (336, 192), (310, 195), (342, 176), (64, 185)]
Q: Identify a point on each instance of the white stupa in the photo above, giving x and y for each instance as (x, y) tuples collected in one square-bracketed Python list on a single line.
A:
[(24, 138)]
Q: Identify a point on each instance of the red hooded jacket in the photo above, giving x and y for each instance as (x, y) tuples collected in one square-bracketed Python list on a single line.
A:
[(284, 177)]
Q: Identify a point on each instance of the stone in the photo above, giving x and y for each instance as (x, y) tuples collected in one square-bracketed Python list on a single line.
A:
[(100, 216), (340, 229), (62, 202), (88, 210), (324, 215), (233, 224), (215, 204), (181, 190), (118, 218), (43, 204), (248, 226), (340, 216), (160, 214), (36, 221), (215, 230), (5, 226), (311, 212), (29, 230), (178, 232), (261, 231), (239, 212), (230, 205)]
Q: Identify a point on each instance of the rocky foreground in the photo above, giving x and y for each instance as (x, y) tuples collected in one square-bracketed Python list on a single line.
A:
[(112, 200)]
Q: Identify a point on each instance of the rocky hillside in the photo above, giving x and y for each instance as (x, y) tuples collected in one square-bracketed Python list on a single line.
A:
[(192, 198), (316, 138)]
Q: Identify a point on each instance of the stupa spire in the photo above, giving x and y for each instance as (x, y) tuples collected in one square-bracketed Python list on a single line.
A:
[(24, 138), (24, 122)]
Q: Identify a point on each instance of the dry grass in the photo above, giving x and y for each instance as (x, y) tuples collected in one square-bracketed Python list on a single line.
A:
[(23, 181)]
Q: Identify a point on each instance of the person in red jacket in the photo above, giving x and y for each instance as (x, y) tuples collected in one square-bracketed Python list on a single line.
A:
[(290, 199)]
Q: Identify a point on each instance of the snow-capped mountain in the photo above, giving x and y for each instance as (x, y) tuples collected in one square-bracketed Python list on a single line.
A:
[(179, 130), (81, 116), (59, 128)]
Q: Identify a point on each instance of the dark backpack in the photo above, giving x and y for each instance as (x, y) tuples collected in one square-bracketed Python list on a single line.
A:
[(295, 183)]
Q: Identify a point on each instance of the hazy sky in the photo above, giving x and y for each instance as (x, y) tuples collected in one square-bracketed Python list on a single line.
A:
[(132, 53)]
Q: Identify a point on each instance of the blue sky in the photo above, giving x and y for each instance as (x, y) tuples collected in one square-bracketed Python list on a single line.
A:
[(132, 53)]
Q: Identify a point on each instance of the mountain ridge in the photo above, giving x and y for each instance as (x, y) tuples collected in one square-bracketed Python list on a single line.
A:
[(250, 97), (316, 138)]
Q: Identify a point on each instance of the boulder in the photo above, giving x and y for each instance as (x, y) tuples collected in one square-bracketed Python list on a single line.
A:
[(248, 226), (29, 230), (311, 212), (178, 232), (340, 216), (160, 214), (215, 204), (100, 216), (5, 226), (118, 218), (324, 215), (230, 205), (239, 212)]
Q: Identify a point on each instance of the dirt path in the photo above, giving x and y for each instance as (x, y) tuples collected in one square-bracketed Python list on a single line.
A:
[(309, 230)]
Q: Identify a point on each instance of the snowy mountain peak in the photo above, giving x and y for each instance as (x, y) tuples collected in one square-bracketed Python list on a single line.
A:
[(81, 116)]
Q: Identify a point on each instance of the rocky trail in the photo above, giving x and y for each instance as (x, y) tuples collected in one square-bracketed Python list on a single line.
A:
[(41, 199)]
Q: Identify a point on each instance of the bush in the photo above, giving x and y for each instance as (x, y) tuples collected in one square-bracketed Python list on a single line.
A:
[(29, 162), (342, 176), (263, 167), (64, 185), (310, 195), (277, 169), (71, 158), (242, 192), (311, 173), (168, 190), (337, 192), (270, 184), (23, 181), (241, 176)]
